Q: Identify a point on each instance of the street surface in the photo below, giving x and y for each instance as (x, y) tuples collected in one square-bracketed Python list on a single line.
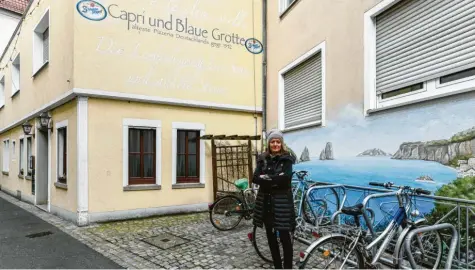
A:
[(172, 242), (28, 241)]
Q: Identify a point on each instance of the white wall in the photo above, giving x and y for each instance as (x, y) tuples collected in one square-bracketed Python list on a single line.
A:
[(8, 23)]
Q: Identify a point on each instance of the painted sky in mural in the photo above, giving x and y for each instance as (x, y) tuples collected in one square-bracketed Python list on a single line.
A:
[(351, 133)]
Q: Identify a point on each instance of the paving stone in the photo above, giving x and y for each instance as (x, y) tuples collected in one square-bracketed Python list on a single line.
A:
[(205, 247)]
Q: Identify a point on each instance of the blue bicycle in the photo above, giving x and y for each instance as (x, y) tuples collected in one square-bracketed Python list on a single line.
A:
[(352, 247), (316, 207)]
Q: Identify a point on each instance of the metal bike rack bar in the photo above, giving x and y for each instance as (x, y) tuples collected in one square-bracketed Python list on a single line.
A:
[(453, 243), (365, 202), (330, 186)]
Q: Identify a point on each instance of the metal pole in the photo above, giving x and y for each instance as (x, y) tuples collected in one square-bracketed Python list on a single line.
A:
[(215, 169), (453, 242)]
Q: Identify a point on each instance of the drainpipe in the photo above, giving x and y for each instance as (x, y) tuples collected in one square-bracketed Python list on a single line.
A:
[(264, 70)]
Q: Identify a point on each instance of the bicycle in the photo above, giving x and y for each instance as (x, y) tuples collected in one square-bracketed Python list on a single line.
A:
[(233, 208), (361, 245), (310, 206)]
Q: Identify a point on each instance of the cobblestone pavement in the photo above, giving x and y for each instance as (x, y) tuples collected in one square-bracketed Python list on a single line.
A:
[(128, 243)]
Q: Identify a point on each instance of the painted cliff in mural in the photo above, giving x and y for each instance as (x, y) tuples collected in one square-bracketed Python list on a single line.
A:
[(428, 146)]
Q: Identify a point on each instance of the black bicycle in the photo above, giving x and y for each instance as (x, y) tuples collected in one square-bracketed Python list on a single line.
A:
[(228, 211)]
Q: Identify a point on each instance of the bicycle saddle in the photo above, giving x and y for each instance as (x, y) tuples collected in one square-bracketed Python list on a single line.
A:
[(354, 210)]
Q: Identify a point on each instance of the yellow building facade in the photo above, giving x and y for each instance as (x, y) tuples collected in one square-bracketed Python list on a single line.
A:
[(128, 87)]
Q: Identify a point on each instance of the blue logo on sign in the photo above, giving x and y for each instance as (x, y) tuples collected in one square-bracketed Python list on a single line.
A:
[(91, 10), (254, 46)]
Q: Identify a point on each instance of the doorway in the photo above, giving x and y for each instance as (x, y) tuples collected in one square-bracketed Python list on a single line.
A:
[(42, 168)]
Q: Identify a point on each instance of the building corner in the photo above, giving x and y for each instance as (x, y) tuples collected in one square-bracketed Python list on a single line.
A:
[(82, 162)]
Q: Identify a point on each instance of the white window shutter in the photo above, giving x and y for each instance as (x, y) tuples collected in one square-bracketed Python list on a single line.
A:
[(420, 40), (303, 93)]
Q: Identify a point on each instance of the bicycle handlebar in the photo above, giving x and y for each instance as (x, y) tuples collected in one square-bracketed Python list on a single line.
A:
[(377, 184), (391, 185)]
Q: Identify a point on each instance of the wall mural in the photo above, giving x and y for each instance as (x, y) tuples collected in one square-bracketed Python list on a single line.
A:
[(430, 146)]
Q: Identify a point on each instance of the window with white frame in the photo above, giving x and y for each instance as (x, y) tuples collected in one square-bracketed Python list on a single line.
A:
[(302, 91), (141, 152), (188, 153), (41, 43), (29, 142), (2, 91), (16, 75), (419, 50), (62, 151), (21, 164), (6, 155), (285, 4)]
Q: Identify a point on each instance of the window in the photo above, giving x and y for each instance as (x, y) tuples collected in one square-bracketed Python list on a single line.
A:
[(188, 154), (417, 51), (458, 76), (46, 45), (41, 44), (6, 156), (302, 91), (29, 154), (142, 148), (2, 91), (188, 158), (21, 164), (284, 5), (62, 154), (142, 156), (16, 75)]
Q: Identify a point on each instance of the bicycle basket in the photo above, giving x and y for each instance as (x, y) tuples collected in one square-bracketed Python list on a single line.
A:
[(242, 183)]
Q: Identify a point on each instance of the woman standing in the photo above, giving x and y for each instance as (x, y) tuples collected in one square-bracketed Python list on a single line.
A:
[(274, 203)]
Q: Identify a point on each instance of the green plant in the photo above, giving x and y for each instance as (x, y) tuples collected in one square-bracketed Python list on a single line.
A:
[(438, 143), (463, 136), (462, 188)]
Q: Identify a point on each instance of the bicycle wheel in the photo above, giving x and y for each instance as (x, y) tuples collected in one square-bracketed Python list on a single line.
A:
[(316, 210), (223, 214), (332, 250), (261, 244), (429, 256)]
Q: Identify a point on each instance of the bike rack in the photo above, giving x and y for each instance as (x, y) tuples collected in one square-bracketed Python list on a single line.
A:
[(453, 243), (365, 202), (342, 187), (330, 186)]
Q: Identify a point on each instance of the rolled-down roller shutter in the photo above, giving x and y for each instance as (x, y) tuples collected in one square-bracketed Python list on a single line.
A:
[(46, 45), (303, 92), (418, 40)]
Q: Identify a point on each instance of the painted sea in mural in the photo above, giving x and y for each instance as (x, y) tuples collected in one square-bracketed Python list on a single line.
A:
[(362, 170)]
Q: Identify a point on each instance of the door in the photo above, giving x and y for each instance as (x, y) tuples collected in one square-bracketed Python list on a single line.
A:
[(42, 167)]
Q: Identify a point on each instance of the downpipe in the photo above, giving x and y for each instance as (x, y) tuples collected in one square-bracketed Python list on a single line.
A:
[(264, 70)]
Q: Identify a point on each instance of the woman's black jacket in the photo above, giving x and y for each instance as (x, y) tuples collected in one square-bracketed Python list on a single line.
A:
[(274, 202)]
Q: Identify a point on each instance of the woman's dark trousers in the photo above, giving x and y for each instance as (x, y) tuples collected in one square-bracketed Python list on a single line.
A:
[(285, 239)]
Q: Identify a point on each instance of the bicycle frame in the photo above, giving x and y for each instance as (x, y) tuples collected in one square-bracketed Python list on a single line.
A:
[(386, 236), (397, 222)]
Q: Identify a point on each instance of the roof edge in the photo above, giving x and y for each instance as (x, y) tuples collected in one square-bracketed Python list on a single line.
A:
[(11, 11), (16, 29)]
